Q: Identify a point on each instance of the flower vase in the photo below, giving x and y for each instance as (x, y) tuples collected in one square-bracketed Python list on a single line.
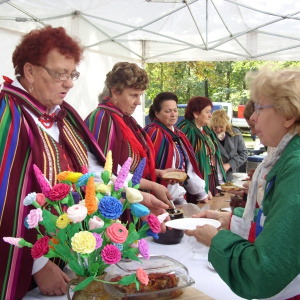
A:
[(94, 291)]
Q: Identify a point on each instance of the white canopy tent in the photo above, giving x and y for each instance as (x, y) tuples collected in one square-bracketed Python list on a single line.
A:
[(154, 31)]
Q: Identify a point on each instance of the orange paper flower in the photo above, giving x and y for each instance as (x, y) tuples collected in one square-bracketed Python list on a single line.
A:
[(90, 199)]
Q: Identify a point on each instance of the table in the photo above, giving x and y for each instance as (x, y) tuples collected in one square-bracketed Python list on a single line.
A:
[(208, 284)]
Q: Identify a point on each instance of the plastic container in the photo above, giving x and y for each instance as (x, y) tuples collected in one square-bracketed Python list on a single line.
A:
[(156, 265), (253, 161)]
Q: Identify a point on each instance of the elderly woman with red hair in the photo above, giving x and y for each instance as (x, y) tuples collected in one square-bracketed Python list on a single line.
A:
[(38, 128), (204, 142)]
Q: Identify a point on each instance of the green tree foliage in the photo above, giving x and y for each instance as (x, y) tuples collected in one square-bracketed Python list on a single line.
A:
[(221, 81)]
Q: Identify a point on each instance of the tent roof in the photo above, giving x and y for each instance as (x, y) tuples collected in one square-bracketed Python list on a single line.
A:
[(154, 31), (160, 31)]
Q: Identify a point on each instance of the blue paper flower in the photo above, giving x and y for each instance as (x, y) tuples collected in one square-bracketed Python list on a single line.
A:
[(82, 180), (29, 199), (110, 207), (149, 232), (139, 210), (76, 197)]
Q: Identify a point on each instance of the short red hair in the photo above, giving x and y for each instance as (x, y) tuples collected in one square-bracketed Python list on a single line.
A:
[(36, 44), (196, 105)]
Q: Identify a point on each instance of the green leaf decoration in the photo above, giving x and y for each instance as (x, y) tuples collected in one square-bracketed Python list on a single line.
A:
[(83, 284), (126, 280), (93, 269), (48, 222), (129, 183), (72, 229), (131, 254), (137, 186), (105, 176), (76, 267), (65, 200), (63, 251), (137, 284), (132, 237)]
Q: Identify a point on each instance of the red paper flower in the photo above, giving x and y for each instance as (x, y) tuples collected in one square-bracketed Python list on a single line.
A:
[(142, 276), (154, 223), (40, 248), (59, 192)]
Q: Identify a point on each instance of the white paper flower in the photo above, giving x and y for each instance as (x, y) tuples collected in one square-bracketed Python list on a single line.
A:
[(77, 213), (95, 223)]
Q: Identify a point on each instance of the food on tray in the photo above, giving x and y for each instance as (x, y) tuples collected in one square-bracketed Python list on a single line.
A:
[(176, 175), (229, 186), (157, 282)]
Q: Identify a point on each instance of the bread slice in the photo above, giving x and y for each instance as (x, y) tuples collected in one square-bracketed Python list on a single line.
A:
[(178, 176)]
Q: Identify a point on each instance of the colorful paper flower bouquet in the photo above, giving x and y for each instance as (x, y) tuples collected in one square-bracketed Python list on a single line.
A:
[(77, 220)]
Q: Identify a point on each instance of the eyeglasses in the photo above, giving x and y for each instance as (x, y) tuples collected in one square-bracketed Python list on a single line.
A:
[(62, 76), (258, 108)]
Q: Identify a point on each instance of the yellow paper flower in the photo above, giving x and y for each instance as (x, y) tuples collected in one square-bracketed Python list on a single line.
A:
[(133, 195), (102, 188), (63, 221), (83, 242), (62, 176), (108, 163), (74, 176)]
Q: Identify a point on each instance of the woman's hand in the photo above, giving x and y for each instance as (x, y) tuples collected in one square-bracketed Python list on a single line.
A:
[(222, 217), (162, 193), (226, 167), (51, 280), (203, 234)]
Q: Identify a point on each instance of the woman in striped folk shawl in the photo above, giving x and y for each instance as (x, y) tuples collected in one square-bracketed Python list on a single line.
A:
[(115, 129), (173, 150), (204, 142), (38, 127)]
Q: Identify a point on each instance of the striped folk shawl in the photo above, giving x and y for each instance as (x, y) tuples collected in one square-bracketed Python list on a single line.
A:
[(23, 144), (108, 127), (197, 141), (163, 141)]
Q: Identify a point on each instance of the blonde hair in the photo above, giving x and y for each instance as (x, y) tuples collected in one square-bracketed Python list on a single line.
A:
[(220, 118), (281, 87)]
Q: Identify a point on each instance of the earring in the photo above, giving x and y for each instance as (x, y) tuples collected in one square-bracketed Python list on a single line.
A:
[(30, 88)]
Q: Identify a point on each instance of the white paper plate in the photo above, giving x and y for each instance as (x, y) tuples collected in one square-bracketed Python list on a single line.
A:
[(191, 223)]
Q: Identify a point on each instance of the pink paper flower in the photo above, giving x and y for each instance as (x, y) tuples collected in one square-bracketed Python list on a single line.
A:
[(144, 248), (40, 199), (122, 174), (111, 254), (40, 248), (99, 240), (154, 223), (117, 233), (34, 217), (77, 213), (13, 241), (43, 182), (59, 192), (142, 276), (95, 222)]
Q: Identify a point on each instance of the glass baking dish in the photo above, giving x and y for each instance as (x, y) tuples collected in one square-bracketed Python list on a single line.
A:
[(165, 269)]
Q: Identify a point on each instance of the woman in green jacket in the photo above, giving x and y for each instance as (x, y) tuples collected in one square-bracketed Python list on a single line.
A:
[(270, 266)]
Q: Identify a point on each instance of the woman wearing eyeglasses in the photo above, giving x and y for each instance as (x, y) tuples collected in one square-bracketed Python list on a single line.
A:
[(38, 127), (269, 267)]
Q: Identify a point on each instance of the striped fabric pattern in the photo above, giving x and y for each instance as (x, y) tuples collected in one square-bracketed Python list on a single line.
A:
[(23, 144)]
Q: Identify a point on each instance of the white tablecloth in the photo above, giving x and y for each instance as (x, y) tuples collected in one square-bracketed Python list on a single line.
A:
[(191, 254)]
